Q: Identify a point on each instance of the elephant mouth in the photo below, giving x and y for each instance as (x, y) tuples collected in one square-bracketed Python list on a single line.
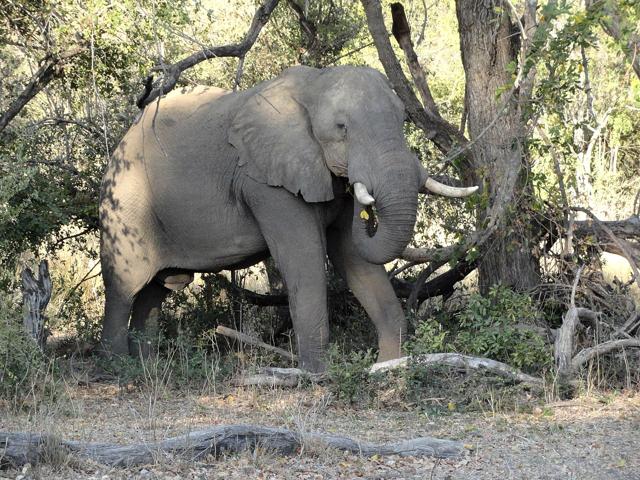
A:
[(370, 218)]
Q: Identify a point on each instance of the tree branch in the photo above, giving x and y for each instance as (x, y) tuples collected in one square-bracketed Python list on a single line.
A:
[(615, 26), (249, 340), (625, 252), (402, 33), (460, 361), (51, 67), (588, 353), (173, 72), (444, 135)]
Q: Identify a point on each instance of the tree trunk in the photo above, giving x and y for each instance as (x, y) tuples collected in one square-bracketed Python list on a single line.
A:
[(488, 43)]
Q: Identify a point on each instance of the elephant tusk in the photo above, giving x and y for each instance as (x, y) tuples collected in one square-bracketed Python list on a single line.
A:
[(362, 194), (448, 191)]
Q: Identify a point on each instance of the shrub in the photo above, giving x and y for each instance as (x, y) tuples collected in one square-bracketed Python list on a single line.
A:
[(492, 326), (22, 364), (429, 337), (488, 327), (349, 373)]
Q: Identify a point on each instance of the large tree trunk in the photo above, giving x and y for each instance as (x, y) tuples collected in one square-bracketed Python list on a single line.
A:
[(496, 130)]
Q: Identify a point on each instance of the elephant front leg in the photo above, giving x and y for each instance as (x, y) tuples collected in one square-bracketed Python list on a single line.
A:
[(370, 285), (295, 237)]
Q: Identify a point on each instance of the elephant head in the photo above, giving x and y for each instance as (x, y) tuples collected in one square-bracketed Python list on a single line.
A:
[(300, 128)]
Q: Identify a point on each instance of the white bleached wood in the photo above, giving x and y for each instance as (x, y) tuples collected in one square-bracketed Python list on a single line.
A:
[(461, 361)]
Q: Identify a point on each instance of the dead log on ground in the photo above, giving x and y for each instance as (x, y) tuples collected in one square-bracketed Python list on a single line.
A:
[(278, 377), (564, 346), (21, 448), (460, 361)]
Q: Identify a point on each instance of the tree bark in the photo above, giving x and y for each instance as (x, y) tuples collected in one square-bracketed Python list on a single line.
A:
[(36, 293), (497, 134)]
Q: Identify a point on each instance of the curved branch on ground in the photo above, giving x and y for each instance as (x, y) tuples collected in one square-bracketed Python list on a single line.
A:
[(588, 353), (21, 448), (461, 361)]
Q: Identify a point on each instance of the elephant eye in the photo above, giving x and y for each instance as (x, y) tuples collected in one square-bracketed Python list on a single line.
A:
[(341, 126)]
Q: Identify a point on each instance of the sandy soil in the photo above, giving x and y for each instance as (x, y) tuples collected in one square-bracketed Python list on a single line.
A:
[(594, 437)]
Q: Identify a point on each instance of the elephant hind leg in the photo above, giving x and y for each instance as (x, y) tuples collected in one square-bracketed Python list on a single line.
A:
[(122, 283), (144, 328), (117, 308)]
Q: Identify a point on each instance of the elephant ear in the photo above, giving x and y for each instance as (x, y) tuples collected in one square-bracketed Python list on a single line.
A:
[(272, 133)]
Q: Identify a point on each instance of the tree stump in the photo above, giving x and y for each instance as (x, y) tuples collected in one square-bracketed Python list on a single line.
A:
[(36, 293)]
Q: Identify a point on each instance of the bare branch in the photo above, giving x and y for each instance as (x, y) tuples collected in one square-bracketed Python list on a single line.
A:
[(588, 353), (625, 252), (444, 135), (51, 67), (239, 50), (249, 340), (460, 361), (402, 33)]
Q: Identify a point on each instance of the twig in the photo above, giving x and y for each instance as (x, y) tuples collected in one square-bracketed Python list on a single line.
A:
[(249, 340), (239, 72)]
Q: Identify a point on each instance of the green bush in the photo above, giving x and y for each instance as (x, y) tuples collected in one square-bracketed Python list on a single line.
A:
[(22, 364), (492, 326), (349, 373), (429, 337), (489, 328)]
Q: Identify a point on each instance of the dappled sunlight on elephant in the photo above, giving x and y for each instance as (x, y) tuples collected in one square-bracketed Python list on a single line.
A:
[(309, 164)]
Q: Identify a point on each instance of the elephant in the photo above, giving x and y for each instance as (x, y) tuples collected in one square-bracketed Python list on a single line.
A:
[(309, 165)]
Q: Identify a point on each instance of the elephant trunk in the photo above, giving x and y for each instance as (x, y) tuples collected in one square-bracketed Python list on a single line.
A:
[(382, 233)]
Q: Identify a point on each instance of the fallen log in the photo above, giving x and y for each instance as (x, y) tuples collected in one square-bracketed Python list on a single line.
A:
[(461, 361), (278, 377), (18, 449)]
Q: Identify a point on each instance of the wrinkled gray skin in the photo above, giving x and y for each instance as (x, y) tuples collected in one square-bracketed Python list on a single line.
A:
[(209, 180)]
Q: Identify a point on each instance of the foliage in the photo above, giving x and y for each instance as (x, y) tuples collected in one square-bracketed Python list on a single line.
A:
[(349, 373), (173, 363), (22, 365), (493, 326), (429, 337), (489, 327)]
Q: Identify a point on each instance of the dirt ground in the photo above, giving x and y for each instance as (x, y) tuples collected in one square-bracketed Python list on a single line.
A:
[(593, 437)]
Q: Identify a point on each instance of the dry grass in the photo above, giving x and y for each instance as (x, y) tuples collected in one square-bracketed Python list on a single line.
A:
[(594, 436)]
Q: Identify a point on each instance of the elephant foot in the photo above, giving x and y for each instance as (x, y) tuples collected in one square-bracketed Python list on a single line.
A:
[(313, 365)]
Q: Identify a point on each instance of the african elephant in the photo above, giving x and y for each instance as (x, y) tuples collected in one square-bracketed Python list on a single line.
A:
[(208, 179)]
